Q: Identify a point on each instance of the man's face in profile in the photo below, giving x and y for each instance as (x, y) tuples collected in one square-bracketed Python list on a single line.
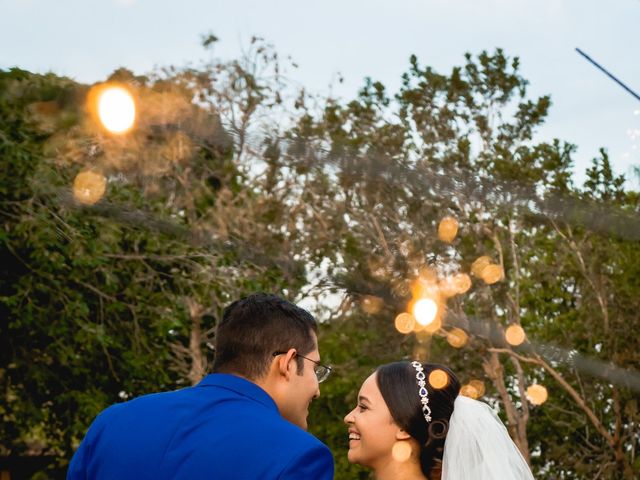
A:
[(303, 389)]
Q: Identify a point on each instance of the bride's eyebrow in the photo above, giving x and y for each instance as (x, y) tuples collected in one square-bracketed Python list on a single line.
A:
[(362, 398)]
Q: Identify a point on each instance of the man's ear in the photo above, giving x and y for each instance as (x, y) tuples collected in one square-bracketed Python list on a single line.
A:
[(284, 363), (402, 435)]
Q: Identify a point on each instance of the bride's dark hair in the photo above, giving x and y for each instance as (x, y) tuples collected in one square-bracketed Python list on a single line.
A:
[(398, 385)]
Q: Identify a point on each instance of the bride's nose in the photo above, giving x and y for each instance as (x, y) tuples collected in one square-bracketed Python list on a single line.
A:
[(348, 418)]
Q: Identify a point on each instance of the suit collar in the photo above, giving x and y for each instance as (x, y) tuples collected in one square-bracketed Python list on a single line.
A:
[(239, 385)]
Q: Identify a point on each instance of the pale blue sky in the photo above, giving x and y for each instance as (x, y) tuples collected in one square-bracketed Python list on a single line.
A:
[(87, 39)]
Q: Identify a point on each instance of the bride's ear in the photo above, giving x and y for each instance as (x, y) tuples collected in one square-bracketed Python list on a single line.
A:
[(402, 435)]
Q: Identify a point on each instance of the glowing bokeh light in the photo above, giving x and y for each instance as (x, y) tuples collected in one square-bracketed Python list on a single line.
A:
[(479, 264), (431, 328), (492, 273), (405, 323), (457, 338), (447, 287), (514, 334), (461, 282), (425, 311), (478, 385), (89, 187), (401, 451), (537, 394), (438, 379), (469, 391), (372, 304), (448, 229), (455, 285), (116, 109)]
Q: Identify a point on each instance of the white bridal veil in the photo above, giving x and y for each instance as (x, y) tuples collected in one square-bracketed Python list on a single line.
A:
[(478, 446)]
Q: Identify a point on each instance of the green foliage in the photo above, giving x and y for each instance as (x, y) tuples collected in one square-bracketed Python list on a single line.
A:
[(99, 303), (461, 144)]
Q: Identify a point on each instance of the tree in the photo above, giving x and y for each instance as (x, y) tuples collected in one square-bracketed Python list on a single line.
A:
[(114, 297), (380, 173), (108, 300)]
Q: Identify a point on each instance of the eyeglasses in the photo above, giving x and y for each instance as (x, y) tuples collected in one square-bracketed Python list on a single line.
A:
[(322, 371)]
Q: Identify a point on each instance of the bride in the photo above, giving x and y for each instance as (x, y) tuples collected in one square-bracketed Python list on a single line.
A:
[(404, 428)]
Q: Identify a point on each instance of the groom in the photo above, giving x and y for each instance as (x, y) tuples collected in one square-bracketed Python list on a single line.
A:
[(247, 420)]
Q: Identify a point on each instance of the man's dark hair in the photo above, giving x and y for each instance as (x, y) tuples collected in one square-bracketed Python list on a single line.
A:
[(398, 386), (255, 327)]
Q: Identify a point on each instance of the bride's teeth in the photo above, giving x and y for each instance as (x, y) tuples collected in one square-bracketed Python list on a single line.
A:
[(354, 436)]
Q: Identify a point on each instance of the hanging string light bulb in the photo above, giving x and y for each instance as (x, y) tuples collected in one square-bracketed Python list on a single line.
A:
[(89, 187), (425, 311), (514, 335), (447, 229), (405, 323), (479, 264), (457, 337), (492, 274), (438, 379), (537, 394), (116, 109)]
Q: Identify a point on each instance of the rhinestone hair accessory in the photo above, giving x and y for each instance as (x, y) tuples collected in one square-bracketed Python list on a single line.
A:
[(421, 380)]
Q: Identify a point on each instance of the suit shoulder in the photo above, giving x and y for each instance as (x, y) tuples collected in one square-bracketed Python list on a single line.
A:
[(314, 460), (294, 435)]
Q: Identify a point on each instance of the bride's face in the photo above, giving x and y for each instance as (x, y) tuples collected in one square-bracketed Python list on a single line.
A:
[(372, 430)]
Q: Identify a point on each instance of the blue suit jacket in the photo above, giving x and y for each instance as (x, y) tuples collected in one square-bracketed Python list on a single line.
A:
[(223, 428)]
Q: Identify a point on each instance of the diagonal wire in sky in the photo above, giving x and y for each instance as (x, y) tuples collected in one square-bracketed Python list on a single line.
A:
[(606, 72)]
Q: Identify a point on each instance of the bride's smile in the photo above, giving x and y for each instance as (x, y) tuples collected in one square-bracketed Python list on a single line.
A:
[(373, 431)]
